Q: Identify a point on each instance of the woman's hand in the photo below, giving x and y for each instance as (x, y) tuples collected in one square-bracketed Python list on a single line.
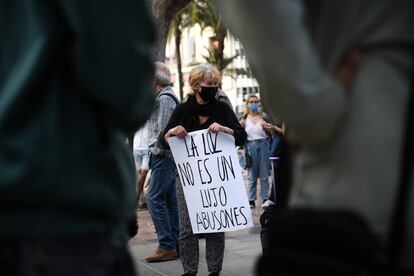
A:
[(272, 129), (216, 127), (267, 126), (178, 131)]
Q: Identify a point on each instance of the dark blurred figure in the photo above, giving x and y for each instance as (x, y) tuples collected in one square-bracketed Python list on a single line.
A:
[(281, 169), (339, 74), (75, 78)]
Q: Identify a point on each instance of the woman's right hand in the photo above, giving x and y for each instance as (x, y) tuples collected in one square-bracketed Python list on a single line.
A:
[(178, 131)]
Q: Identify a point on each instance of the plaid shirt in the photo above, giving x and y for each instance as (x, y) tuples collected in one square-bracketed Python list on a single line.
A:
[(164, 107)]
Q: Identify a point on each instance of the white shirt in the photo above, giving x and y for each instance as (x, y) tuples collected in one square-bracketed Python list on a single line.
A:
[(254, 131), (141, 141)]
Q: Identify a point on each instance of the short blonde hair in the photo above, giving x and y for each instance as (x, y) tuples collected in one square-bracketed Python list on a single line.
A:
[(201, 71)]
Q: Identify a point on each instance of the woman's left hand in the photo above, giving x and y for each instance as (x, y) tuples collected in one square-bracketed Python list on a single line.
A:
[(216, 127), (267, 126)]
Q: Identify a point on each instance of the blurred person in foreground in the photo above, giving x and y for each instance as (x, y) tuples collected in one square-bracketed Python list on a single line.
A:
[(340, 74), (75, 79)]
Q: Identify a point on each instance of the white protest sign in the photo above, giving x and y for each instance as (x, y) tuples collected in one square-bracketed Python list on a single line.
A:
[(212, 181)]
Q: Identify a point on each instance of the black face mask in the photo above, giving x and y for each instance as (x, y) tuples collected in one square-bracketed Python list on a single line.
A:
[(208, 93)]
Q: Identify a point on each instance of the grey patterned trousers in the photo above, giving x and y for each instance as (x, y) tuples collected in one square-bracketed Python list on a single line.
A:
[(188, 242)]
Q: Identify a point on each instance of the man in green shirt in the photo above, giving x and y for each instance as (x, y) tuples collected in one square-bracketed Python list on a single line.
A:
[(75, 77)]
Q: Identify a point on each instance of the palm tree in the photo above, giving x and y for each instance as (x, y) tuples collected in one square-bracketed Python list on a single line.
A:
[(208, 16), (204, 13), (176, 15), (182, 20), (176, 30), (215, 57)]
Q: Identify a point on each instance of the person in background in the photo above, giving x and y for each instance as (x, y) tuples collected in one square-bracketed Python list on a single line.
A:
[(278, 133), (201, 111), (257, 149), (141, 157), (340, 75), (161, 198), (75, 79)]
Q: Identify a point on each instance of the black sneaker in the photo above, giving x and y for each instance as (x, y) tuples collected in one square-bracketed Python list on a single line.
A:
[(252, 204)]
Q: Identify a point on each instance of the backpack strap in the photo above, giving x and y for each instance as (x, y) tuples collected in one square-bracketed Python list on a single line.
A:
[(177, 102), (267, 118)]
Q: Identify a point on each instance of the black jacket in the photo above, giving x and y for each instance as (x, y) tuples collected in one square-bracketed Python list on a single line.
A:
[(184, 115)]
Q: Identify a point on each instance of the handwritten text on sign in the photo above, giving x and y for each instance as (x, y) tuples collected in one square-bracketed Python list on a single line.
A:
[(212, 181)]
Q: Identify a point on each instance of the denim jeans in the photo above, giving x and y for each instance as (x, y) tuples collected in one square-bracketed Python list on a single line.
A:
[(259, 150), (162, 201), (275, 150), (92, 255), (275, 146)]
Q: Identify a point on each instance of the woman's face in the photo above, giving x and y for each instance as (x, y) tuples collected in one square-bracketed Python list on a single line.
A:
[(206, 90), (254, 100), (254, 104), (207, 81)]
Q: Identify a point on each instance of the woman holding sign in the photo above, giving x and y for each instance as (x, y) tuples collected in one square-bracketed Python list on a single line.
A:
[(202, 111)]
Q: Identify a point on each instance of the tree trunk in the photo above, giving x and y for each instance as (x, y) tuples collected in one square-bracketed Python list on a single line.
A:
[(221, 35), (164, 12), (177, 34)]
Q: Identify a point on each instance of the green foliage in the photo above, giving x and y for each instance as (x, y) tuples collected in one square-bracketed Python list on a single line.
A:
[(193, 63), (213, 56), (204, 13)]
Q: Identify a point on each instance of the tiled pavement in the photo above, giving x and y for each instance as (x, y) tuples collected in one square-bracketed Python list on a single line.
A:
[(242, 250)]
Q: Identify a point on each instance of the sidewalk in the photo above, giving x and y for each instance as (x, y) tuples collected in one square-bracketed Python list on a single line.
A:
[(241, 253)]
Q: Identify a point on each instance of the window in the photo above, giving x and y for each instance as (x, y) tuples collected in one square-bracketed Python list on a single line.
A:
[(191, 48), (239, 91)]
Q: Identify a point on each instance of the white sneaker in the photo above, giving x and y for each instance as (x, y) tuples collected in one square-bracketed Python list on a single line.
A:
[(267, 203)]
